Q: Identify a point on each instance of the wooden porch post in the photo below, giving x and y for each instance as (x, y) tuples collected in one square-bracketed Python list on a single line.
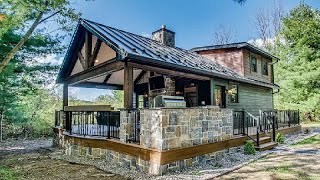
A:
[(67, 123), (128, 86), (65, 96), (212, 95)]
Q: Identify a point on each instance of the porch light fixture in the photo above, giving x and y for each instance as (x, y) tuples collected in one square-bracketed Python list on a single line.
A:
[(96, 61)]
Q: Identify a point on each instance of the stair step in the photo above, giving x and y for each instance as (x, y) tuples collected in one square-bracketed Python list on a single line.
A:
[(266, 146), (264, 140)]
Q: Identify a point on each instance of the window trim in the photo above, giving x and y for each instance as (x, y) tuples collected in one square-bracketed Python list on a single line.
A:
[(256, 63), (262, 68)]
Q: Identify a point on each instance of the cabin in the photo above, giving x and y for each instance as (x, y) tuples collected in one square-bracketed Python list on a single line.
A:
[(182, 108)]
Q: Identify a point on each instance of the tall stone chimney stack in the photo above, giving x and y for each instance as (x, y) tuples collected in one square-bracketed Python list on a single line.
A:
[(164, 36)]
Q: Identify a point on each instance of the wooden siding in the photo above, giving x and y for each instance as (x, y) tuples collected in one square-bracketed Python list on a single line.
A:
[(231, 58), (251, 98), (256, 75)]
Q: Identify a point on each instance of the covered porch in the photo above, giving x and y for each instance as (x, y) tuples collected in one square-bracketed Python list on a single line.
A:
[(173, 102)]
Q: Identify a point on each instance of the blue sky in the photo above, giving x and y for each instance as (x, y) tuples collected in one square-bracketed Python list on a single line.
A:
[(194, 21)]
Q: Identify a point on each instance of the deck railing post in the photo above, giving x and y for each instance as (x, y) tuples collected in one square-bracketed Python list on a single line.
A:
[(274, 128), (69, 121), (242, 119), (108, 124), (258, 131)]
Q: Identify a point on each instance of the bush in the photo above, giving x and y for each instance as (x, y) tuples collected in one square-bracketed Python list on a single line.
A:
[(249, 148), (280, 138)]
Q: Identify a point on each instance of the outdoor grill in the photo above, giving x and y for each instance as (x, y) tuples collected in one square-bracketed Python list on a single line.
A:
[(169, 101)]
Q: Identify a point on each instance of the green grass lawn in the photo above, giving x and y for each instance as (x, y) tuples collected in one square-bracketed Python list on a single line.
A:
[(314, 140), (310, 124), (7, 174)]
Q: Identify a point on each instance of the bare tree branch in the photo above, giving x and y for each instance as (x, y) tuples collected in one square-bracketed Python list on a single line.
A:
[(267, 23), (224, 35)]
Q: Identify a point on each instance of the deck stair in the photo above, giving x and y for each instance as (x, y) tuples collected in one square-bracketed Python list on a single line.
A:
[(265, 143)]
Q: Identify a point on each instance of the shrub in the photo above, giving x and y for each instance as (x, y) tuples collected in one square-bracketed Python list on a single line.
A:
[(249, 148), (280, 138)]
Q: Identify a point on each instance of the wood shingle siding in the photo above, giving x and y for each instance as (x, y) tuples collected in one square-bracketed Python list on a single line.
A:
[(231, 58)]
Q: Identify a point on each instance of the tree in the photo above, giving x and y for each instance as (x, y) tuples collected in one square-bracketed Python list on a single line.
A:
[(267, 24), (224, 35), (115, 99), (24, 76), (20, 13), (298, 72)]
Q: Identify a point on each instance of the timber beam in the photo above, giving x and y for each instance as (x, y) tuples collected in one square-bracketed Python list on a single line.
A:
[(168, 71), (98, 85), (101, 69)]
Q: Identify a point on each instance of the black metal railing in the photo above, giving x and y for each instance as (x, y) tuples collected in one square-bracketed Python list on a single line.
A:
[(98, 123), (135, 121), (283, 118), (93, 123), (238, 123), (271, 120), (252, 126)]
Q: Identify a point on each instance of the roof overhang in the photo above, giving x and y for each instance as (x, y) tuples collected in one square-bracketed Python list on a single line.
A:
[(241, 45), (175, 67)]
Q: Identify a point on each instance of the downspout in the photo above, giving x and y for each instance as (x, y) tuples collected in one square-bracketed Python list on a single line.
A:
[(278, 90)]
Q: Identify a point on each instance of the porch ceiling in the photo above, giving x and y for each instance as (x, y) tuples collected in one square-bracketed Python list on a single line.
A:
[(114, 80)]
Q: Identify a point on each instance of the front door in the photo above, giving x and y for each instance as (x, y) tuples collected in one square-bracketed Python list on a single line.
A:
[(220, 96)]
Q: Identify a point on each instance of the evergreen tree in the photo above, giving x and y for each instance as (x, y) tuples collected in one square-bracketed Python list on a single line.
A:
[(298, 72)]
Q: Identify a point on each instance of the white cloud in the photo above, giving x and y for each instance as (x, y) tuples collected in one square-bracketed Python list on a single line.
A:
[(145, 34), (259, 42)]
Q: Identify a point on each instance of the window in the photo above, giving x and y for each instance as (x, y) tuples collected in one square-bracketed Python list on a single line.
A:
[(233, 92), (264, 68), (253, 64)]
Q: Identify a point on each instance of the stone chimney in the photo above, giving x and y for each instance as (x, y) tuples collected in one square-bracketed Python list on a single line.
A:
[(164, 36)]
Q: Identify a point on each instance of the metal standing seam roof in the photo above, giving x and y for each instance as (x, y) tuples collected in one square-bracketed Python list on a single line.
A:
[(128, 45)]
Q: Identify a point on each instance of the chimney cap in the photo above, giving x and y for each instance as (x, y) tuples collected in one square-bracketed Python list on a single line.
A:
[(163, 26)]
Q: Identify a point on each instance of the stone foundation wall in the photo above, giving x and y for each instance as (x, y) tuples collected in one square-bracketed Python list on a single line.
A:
[(166, 129), (138, 164)]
